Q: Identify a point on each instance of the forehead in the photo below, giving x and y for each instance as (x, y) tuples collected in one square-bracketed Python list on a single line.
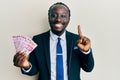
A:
[(59, 8)]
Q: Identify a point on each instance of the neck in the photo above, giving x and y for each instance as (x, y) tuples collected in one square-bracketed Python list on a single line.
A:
[(58, 33)]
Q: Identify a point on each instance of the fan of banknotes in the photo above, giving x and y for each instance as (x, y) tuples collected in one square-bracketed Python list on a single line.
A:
[(24, 44)]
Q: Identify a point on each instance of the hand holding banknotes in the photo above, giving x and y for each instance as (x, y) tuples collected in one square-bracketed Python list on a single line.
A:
[(23, 46), (21, 60)]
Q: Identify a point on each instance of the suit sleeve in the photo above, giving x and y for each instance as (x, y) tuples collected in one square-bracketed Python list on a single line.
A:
[(87, 61)]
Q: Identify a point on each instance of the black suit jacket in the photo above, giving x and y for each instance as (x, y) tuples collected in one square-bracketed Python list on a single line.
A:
[(40, 57)]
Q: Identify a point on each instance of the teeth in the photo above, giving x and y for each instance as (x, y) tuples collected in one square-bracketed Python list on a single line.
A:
[(58, 25)]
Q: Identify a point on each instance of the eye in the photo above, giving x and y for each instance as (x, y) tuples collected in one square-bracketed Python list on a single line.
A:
[(63, 16), (53, 16)]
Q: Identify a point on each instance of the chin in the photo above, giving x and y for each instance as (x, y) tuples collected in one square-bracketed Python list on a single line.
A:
[(58, 29), (57, 32)]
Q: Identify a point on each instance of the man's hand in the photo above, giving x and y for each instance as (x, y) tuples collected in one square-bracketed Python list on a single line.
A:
[(83, 43), (21, 60)]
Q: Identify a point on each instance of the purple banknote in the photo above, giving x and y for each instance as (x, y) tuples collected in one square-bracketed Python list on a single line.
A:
[(24, 44)]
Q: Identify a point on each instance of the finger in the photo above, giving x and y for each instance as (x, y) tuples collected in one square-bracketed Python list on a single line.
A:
[(79, 41), (84, 40), (79, 31), (21, 61), (15, 57), (20, 57)]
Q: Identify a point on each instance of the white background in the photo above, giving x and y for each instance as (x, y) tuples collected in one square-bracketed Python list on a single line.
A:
[(99, 20)]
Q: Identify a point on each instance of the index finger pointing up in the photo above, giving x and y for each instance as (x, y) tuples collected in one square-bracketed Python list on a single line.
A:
[(79, 31)]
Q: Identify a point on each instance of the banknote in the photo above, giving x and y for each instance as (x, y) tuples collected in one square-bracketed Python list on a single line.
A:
[(24, 44)]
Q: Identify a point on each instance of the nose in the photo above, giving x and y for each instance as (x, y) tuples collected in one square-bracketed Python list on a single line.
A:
[(58, 19)]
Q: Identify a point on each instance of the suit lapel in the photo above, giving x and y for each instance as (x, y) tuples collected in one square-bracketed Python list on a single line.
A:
[(46, 44), (69, 40)]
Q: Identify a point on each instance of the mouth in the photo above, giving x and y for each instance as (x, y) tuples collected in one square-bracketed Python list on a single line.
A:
[(58, 26)]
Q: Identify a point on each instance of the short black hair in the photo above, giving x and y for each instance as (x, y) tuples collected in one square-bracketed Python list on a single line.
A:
[(59, 3)]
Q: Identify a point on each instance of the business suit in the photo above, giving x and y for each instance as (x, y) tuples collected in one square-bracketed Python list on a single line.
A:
[(40, 57)]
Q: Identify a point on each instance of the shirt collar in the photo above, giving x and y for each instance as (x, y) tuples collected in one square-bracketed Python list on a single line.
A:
[(54, 36)]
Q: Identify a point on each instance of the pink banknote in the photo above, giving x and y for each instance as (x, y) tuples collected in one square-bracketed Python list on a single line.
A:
[(24, 44)]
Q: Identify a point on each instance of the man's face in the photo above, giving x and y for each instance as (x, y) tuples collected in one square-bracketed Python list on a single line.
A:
[(59, 19)]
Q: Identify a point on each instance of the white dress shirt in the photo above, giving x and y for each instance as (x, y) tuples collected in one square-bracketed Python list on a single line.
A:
[(53, 44)]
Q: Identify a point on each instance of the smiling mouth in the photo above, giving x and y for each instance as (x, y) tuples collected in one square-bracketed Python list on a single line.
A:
[(58, 25)]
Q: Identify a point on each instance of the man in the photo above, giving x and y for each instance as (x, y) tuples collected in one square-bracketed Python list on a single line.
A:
[(74, 50)]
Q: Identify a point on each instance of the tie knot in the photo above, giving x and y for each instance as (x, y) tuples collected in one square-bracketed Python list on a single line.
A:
[(59, 47), (59, 39)]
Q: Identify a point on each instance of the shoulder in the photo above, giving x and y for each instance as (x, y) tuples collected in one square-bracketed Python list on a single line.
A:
[(73, 35), (42, 35)]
